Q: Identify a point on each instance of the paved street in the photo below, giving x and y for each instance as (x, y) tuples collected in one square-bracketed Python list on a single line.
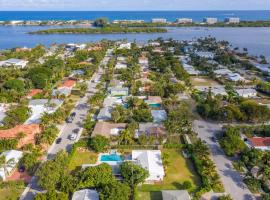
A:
[(81, 110), (230, 178)]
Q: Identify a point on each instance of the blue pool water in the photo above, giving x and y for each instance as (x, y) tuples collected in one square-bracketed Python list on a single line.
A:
[(111, 157), (157, 105)]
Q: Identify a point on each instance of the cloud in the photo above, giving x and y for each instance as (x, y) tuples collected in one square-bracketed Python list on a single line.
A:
[(133, 4)]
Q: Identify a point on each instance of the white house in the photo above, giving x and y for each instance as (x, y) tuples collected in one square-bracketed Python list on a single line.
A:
[(18, 63), (120, 65), (159, 20), (247, 93), (232, 20), (210, 20), (85, 194), (262, 143), (151, 161), (12, 158), (190, 69), (184, 20), (125, 46), (205, 54)]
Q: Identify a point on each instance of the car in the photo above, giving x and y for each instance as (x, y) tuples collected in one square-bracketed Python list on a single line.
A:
[(21, 169), (73, 136), (71, 117), (58, 140), (76, 130), (214, 139)]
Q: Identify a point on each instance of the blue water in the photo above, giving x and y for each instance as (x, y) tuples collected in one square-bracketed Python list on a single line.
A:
[(143, 15), (111, 157), (157, 105)]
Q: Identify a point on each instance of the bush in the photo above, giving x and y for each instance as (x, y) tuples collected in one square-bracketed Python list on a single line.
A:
[(253, 184), (99, 143)]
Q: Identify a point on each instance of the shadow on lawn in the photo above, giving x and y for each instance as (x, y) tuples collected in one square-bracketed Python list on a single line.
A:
[(156, 195)]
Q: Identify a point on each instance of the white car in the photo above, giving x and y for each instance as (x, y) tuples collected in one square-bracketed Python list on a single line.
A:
[(73, 136)]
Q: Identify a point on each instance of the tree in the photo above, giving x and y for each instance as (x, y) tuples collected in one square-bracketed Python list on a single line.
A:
[(125, 137), (115, 191), (15, 84), (5, 164), (101, 22), (99, 143), (30, 161), (133, 174), (51, 195), (16, 115)]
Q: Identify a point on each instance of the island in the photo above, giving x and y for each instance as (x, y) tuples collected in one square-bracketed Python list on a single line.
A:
[(103, 30)]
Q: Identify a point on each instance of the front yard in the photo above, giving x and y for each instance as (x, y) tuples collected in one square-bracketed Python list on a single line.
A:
[(178, 171), (82, 156)]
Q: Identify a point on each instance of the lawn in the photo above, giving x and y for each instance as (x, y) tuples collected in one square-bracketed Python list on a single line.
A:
[(11, 191), (178, 171), (82, 156), (203, 81)]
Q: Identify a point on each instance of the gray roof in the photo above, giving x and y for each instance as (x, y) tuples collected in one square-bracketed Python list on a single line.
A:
[(85, 195), (175, 195), (40, 102), (105, 113), (159, 115), (14, 60)]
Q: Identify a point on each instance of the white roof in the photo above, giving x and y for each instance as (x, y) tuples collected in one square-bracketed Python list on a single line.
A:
[(112, 101), (85, 195), (150, 160), (246, 92)]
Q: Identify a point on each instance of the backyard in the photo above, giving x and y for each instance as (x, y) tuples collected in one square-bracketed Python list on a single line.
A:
[(203, 81), (82, 156), (178, 171), (11, 190)]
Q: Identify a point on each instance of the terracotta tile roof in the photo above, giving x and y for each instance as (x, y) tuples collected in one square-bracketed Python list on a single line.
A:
[(30, 132), (154, 99), (33, 92), (260, 141), (69, 83)]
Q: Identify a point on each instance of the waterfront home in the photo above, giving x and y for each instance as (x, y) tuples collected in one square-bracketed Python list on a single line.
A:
[(175, 195), (205, 54), (210, 20), (105, 114), (247, 93), (108, 129), (184, 20), (232, 20), (159, 20), (29, 131), (12, 157), (119, 91), (126, 45), (261, 143), (151, 161), (40, 106), (74, 47), (154, 44), (85, 194), (158, 115), (149, 129), (18, 63)]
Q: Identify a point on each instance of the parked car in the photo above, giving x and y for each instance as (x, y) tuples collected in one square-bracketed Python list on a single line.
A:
[(71, 117), (73, 136), (58, 140), (76, 130)]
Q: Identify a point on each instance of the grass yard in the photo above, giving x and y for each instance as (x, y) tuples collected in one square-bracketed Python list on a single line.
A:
[(82, 156), (203, 81), (11, 191), (178, 171)]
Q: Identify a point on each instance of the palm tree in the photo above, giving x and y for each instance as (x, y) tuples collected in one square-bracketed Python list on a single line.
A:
[(125, 137), (5, 164)]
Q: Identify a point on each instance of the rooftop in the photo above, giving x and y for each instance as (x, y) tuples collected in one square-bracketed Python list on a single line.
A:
[(175, 195), (85, 194), (260, 141), (108, 129)]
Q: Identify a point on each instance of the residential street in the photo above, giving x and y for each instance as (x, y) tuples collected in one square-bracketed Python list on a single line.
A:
[(231, 179), (81, 110)]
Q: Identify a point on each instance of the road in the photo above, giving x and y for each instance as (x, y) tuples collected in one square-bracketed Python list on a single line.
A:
[(231, 179), (81, 109)]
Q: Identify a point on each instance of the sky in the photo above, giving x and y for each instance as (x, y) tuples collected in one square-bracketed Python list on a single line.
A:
[(100, 5)]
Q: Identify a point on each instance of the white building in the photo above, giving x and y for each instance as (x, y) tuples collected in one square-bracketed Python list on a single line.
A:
[(159, 20), (190, 69), (184, 20), (120, 65), (151, 161), (205, 54), (125, 46), (85, 194), (247, 93), (232, 20), (12, 158), (18, 63), (210, 20)]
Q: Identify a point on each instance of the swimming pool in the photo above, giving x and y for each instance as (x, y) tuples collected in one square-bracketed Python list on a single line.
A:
[(110, 157), (156, 105)]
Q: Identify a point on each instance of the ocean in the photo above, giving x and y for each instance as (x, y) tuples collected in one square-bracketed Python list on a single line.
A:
[(143, 15)]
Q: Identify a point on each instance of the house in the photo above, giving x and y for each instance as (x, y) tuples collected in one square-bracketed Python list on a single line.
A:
[(175, 195), (205, 54), (232, 20), (40, 106), (116, 83), (108, 129), (73, 47), (154, 101), (120, 65), (68, 83), (121, 59), (125, 46), (184, 20), (159, 20), (151, 161), (77, 72), (105, 114), (262, 143), (151, 129), (154, 44), (235, 77), (112, 101), (247, 93), (191, 70), (158, 115), (65, 87), (85, 194), (210, 20), (119, 91), (12, 158), (143, 61), (18, 63), (33, 93), (188, 49), (29, 131), (216, 90)]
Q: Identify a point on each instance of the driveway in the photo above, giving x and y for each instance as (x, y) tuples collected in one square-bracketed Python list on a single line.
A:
[(231, 179)]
